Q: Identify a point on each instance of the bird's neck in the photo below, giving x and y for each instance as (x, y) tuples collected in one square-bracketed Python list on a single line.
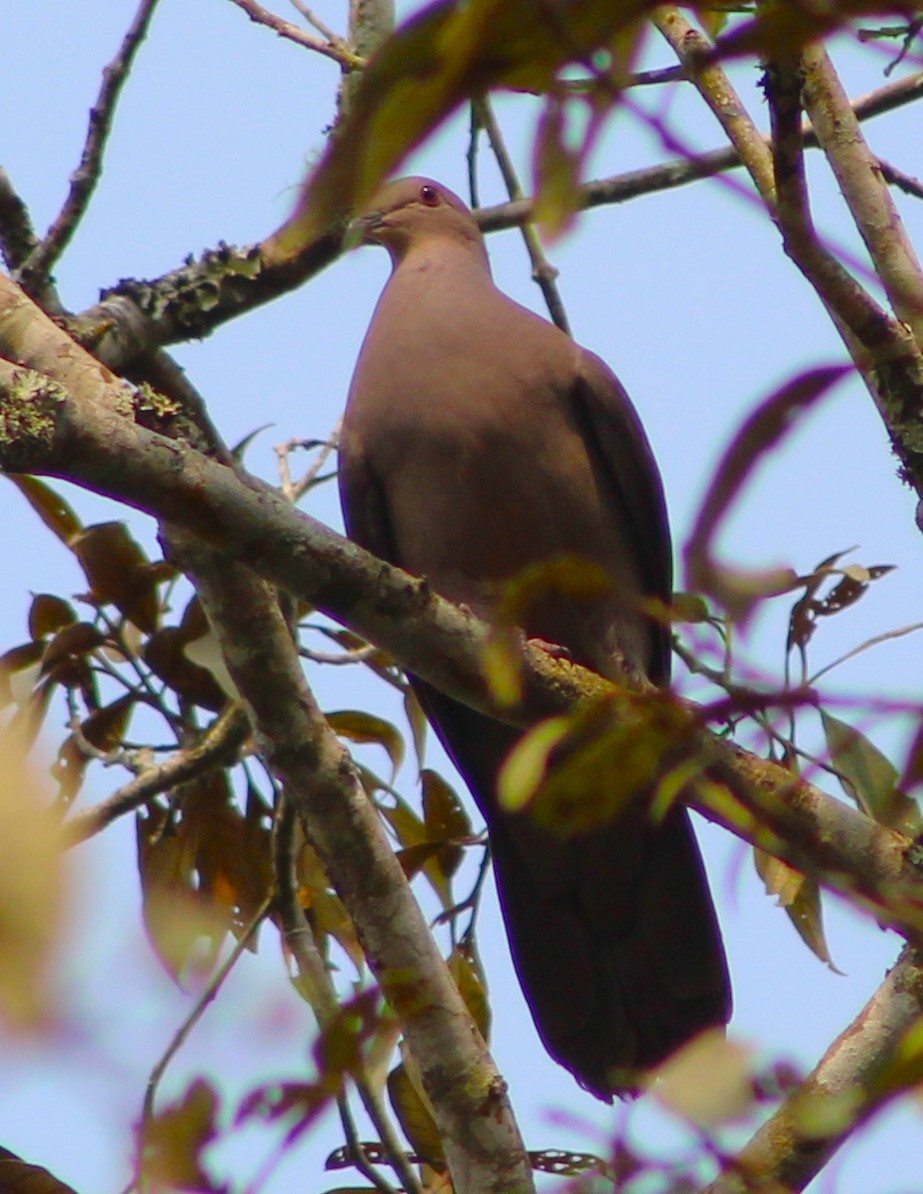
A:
[(465, 260)]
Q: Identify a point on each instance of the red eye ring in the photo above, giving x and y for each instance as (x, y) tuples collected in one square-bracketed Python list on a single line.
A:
[(429, 195)]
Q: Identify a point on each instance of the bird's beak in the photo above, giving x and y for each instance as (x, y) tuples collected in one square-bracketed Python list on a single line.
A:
[(361, 229)]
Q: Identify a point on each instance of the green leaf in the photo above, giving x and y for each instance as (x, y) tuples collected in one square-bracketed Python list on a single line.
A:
[(501, 663), (416, 719), (414, 1117), (583, 770), (556, 172), (465, 968), (527, 763), (689, 607), (869, 778), (105, 727), (184, 927), (16, 660)]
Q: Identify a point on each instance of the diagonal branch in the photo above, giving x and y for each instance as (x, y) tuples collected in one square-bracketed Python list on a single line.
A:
[(94, 442), (697, 55), (217, 747), (17, 235), (882, 345), (858, 1075), (469, 1099), (543, 272), (316, 982), (859, 176), (330, 46)]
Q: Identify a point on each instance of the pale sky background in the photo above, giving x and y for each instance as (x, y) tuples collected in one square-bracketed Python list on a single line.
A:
[(686, 294)]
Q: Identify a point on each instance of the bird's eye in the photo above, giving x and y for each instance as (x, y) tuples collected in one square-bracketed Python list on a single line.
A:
[(429, 195)]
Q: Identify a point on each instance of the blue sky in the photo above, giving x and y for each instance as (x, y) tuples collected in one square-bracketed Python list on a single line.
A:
[(686, 294)]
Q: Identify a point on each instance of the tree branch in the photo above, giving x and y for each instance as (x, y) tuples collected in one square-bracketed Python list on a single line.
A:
[(34, 270), (883, 347), (468, 1096), (543, 272), (856, 1077), (135, 316), (218, 746), (93, 442), (859, 176), (697, 55), (316, 982), (330, 46), (17, 235)]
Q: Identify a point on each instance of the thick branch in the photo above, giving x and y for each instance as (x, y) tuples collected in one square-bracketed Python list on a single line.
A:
[(859, 175), (468, 1096), (853, 1080), (696, 53), (94, 444), (888, 357)]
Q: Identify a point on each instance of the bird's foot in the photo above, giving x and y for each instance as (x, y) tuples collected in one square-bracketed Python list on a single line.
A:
[(552, 650)]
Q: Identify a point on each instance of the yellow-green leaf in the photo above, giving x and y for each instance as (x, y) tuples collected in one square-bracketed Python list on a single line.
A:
[(359, 726), (869, 778), (527, 763), (176, 1138), (799, 895), (414, 1117), (707, 1082), (465, 968)]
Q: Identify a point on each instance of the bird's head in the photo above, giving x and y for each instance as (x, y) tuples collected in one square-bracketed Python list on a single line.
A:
[(408, 212)]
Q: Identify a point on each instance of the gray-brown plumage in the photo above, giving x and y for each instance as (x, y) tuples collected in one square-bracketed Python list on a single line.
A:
[(479, 440)]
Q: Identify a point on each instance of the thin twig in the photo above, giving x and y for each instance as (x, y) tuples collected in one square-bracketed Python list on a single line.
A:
[(217, 745), (17, 235), (36, 267), (897, 178), (321, 994), (314, 20), (195, 1015), (339, 658), (295, 490), (543, 272), (333, 48), (633, 184), (356, 1150)]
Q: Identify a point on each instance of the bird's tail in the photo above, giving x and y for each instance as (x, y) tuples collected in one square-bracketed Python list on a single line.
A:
[(613, 933)]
